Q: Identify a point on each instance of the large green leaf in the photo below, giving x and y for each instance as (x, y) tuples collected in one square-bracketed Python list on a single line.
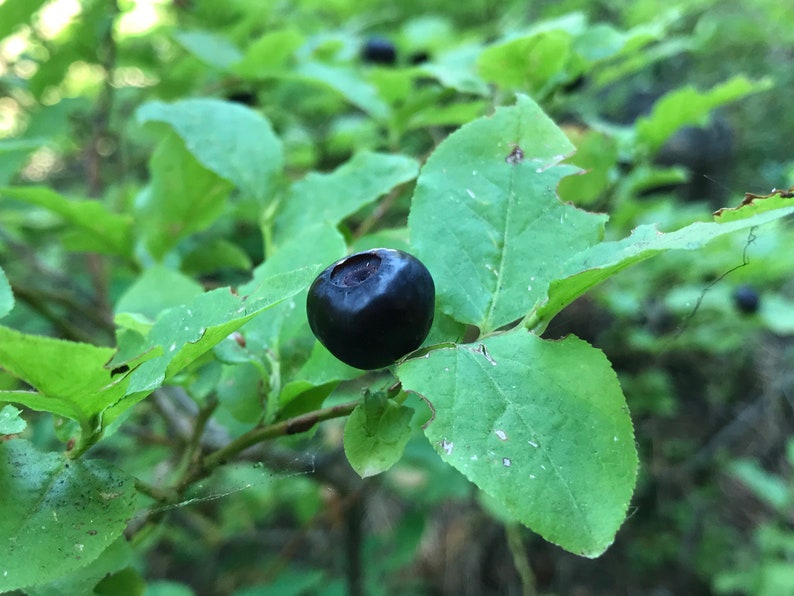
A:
[(70, 379), (329, 198), (231, 140), (92, 226), (600, 262), (58, 514), (486, 219), (186, 332), (540, 426), (184, 197)]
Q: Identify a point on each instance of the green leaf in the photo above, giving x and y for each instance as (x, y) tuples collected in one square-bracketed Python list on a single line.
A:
[(376, 433), (83, 580), (186, 332), (347, 83), (327, 246), (6, 295), (541, 426), (288, 319), (527, 63), (487, 222), (216, 254), (329, 198), (70, 378), (456, 70), (688, 106), (241, 391), (600, 41), (268, 54), (210, 48), (772, 489), (127, 581), (10, 421), (598, 263), (184, 197), (58, 514), (157, 289), (321, 370), (235, 142), (597, 155), (92, 227)]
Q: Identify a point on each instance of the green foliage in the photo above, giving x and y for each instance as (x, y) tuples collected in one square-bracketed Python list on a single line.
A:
[(168, 196), (484, 204), (765, 567), (687, 106), (47, 534), (376, 433), (538, 416)]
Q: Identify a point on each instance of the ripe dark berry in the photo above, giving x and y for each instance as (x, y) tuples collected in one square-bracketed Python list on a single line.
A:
[(378, 50), (373, 307), (746, 299)]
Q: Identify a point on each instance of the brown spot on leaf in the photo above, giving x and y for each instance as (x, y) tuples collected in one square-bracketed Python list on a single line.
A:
[(749, 198), (516, 156)]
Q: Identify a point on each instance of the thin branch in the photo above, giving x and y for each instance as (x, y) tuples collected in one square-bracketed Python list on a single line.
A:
[(515, 542), (291, 426), (94, 160)]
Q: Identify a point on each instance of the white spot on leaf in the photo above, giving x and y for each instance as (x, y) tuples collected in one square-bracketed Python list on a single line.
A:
[(447, 446), (506, 462), (470, 193), (501, 434)]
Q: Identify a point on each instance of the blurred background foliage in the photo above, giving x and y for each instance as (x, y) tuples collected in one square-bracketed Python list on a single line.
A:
[(701, 341)]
